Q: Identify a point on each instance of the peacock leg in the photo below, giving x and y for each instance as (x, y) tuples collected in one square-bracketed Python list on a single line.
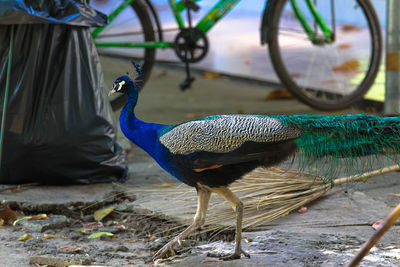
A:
[(237, 206), (203, 196)]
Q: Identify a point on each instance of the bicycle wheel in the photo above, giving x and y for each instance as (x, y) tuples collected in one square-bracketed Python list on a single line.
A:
[(326, 76), (132, 25)]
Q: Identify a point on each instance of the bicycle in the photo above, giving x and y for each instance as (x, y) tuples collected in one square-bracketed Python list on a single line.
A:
[(325, 59)]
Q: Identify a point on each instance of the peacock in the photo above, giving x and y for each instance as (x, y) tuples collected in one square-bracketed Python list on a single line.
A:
[(211, 153)]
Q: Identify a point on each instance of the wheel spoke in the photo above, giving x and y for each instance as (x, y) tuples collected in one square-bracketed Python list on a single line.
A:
[(334, 71)]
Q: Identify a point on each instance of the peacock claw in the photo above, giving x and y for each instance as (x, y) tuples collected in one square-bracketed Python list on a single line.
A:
[(183, 243), (229, 257), (166, 251)]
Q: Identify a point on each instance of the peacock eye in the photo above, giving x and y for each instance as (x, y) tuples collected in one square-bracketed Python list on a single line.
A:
[(120, 84)]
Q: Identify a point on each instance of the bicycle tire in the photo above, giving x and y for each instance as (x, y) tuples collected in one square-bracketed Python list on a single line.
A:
[(313, 97), (147, 60)]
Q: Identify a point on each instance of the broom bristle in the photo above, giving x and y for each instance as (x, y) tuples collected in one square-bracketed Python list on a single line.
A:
[(267, 194)]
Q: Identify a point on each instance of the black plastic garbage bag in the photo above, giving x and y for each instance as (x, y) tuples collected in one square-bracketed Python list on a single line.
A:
[(70, 12), (58, 128)]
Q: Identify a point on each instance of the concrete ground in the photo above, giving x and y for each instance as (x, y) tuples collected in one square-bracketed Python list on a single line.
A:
[(328, 234)]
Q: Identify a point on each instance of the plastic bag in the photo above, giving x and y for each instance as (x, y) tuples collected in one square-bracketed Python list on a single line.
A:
[(59, 129)]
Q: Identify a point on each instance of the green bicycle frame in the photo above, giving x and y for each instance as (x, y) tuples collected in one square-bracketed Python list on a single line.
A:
[(221, 8), (312, 35)]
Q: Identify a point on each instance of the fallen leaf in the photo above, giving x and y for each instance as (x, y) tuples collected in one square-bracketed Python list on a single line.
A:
[(377, 224), (164, 185), (47, 236), (100, 214), (41, 216), (349, 27), (329, 81), (248, 239), (302, 210), (97, 235), (120, 225), (206, 261), (211, 75), (25, 237), (119, 200), (393, 195), (38, 217), (279, 95), (73, 249), (350, 65), (8, 215), (344, 46), (131, 240), (81, 232), (95, 224), (295, 75)]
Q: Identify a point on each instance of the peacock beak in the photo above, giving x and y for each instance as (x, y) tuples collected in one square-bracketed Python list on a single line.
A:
[(113, 91)]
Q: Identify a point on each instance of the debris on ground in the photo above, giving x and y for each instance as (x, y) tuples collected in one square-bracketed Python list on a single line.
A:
[(279, 95), (101, 213), (7, 215), (57, 261), (40, 225)]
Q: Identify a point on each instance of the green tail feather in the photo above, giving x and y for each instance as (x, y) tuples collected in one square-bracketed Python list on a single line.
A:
[(348, 137)]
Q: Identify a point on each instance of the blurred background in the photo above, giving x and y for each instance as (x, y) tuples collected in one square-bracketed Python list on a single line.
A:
[(235, 47)]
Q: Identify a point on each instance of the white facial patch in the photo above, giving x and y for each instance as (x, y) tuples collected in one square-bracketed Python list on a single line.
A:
[(120, 85)]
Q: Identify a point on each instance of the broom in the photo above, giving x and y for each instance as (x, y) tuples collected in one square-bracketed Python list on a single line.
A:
[(267, 194), (269, 197)]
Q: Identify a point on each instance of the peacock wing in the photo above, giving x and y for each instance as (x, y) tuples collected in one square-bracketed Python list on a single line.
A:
[(226, 139)]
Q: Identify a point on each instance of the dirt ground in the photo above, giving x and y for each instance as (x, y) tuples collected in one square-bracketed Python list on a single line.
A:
[(328, 234)]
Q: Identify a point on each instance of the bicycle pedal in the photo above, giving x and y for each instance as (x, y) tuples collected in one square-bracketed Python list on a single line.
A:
[(186, 84)]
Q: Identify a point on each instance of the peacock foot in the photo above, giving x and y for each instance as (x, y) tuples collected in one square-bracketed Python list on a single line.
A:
[(229, 257), (183, 243), (168, 249)]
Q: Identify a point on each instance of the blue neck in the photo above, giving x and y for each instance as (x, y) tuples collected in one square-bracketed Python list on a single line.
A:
[(143, 134)]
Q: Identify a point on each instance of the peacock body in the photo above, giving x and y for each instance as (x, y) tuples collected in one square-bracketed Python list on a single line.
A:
[(213, 152)]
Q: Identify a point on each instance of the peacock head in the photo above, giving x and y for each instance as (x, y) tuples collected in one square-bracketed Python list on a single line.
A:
[(122, 85), (125, 85)]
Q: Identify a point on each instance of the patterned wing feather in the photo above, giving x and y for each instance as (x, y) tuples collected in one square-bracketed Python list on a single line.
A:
[(222, 134)]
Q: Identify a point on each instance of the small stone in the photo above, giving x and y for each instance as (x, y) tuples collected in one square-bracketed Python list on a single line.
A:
[(88, 218), (107, 249), (54, 222), (261, 239), (57, 261), (109, 223), (122, 249), (76, 236)]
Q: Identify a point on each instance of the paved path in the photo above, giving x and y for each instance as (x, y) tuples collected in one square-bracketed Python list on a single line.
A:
[(328, 234)]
